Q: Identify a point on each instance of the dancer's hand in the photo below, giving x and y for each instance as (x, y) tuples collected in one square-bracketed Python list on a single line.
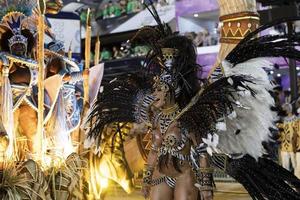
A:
[(158, 138), (66, 77), (146, 191)]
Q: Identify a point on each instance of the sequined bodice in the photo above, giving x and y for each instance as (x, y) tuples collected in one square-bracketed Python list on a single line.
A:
[(175, 144)]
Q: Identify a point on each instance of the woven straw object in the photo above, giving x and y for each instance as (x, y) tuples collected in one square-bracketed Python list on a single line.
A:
[(228, 7)]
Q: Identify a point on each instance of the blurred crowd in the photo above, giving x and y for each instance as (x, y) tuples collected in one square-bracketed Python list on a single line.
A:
[(112, 9), (117, 8), (124, 51), (203, 38)]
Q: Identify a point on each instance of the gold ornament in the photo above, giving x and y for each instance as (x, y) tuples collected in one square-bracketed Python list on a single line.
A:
[(54, 6)]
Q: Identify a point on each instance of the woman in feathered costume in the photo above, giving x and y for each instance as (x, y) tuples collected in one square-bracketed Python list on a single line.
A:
[(190, 120)]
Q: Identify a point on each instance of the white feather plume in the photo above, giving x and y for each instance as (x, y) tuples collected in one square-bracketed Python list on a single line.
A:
[(250, 125)]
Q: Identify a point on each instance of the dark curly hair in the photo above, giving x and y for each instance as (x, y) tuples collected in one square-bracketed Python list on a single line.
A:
[(185, 67)]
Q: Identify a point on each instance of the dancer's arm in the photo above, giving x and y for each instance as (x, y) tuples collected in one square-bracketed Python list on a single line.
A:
[(204, 175), (151, 162)]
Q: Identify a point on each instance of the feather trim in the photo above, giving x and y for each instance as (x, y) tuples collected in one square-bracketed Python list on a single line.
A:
[(253, 114)]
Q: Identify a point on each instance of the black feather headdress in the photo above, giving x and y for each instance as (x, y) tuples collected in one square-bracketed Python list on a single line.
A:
[(184, 69)]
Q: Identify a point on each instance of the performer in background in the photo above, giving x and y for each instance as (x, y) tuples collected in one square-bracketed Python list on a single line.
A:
[(19, 72), (288, 138), (66, 111), (17, 44), (297, 130)]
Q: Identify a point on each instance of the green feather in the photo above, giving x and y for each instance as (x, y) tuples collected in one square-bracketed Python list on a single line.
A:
[(23, 6)]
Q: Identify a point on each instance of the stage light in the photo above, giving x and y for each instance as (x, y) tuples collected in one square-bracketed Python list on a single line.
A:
[(298, 68), (104, 182), (278, 75), (271, 72), (196, 15)]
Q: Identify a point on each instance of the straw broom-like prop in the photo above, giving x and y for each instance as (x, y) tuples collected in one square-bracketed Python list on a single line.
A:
[(70, 51), (233, 12), (87, 56), (97, 50), (40, 59), (86, 79), (93, 185)]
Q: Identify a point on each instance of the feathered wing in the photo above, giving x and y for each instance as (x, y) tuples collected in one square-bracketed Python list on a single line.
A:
[(236, 109), (279, 45), (242, 104), (248, 125), (263, 178), (213, 102), (121, 100)]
